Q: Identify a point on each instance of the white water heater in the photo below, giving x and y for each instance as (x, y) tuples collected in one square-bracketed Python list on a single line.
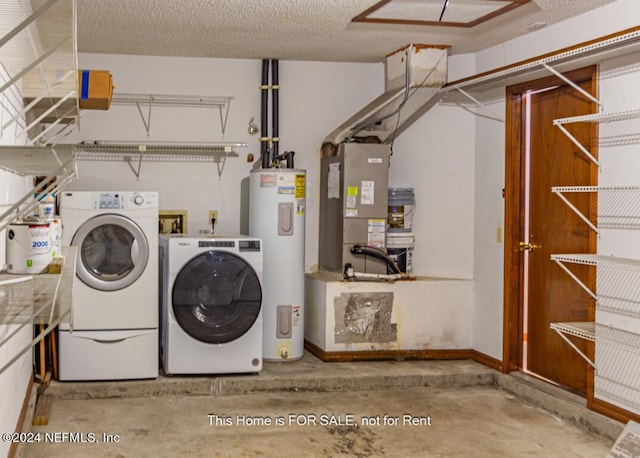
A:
[(277, 216)]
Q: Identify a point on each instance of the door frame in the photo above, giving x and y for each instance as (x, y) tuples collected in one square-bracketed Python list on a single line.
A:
[(514, 215)]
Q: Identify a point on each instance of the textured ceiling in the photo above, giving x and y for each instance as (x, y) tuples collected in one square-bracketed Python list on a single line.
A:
[(315, 30)]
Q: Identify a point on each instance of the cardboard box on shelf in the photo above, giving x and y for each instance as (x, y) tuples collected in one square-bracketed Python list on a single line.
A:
[(95, 88)]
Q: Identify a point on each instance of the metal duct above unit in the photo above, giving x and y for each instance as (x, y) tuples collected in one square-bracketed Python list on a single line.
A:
[(414, 74)]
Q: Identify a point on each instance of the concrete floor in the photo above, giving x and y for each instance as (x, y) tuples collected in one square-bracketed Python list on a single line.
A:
[(311, 408)]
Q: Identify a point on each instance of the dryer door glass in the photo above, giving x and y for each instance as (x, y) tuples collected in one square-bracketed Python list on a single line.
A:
[(216, 297), (112, 252)]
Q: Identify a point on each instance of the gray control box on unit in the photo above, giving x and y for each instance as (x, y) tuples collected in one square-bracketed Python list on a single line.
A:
[(353, 206)]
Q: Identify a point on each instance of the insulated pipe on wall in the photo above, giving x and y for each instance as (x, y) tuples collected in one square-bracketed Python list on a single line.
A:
[(274, 106), (264, 115)]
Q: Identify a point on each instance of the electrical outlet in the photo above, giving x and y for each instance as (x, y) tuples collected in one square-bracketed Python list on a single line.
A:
[(213, 214)]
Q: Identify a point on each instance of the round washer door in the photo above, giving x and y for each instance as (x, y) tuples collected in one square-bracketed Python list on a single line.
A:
[(112, 252), (216, 297)]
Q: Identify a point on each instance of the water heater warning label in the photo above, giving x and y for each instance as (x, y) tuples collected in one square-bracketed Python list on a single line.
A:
[(268, 180), (286, 183), (300, 186)]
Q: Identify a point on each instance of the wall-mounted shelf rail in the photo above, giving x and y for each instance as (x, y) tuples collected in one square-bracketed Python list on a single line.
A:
[(149, 101), (618, 281), (28, 300), (618, 206), (131, 153)]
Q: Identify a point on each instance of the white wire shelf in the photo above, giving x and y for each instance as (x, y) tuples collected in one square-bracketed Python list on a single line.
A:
[(167, 100), (618, 128), (596, 332), (57, 164), (35, 160), (600, 117), (131, 153), (45, 299), (591, 52), (618, 206), (584, 330), (611, 346), (210, 155), (221, 103), (87, 149), (618, 281), (598, 260)]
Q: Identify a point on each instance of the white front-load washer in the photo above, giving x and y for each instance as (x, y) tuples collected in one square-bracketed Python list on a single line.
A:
[(211, 304), (113, 328)]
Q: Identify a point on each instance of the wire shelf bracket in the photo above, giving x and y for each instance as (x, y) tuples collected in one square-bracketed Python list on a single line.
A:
[(618, 206), (560, 260), (596, 118), (583, 330), (490, 114)]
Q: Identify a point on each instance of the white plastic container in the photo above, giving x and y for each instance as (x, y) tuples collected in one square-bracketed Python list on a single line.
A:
[(28, 247), (55, 231), (47, 208)]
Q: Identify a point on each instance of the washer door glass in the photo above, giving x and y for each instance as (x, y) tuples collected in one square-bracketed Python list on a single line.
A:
[(112, 252), (216, 297)]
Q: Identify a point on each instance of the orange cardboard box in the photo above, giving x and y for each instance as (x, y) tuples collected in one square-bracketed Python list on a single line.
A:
[(95, 88)]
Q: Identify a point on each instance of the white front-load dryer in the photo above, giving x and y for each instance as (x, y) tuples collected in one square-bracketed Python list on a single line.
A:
[(112, 332), (211, 304)]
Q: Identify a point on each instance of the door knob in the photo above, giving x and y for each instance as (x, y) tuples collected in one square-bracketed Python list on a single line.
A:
[(528, 246)]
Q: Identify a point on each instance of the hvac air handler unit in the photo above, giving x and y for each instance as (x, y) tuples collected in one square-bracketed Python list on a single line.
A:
[(353, 206)]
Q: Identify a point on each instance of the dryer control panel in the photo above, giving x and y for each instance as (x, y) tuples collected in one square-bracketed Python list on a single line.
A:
[(110, 201), (123, 200)]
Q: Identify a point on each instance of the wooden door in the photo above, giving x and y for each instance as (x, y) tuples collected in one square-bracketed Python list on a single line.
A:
[(553, 228)]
